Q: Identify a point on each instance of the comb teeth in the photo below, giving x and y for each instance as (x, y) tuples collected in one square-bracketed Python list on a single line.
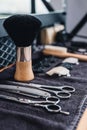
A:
[(22, 29)]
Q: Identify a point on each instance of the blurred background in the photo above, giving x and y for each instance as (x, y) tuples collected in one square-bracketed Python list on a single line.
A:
[(75, 10), (24, 6), (72, 14)]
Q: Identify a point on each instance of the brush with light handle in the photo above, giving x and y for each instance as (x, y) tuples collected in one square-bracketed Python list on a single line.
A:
[(23, 29), (62, 52)]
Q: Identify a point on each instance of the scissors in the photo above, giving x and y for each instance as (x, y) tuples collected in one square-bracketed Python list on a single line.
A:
[(60, 91), (52, 107), (49, 100)]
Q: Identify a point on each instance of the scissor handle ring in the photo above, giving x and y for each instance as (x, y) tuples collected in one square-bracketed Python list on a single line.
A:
[(53, 108), (61, 94), (53, 99), (68, 88)]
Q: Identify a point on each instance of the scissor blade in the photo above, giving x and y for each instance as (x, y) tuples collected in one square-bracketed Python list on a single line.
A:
[(29, 90), (29, 84), (21, 93), (39, 86), (18, 99), (47, 87)]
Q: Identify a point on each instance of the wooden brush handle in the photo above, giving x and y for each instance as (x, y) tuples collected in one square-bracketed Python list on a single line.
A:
[(79, 56), (62, 54), (24, 71)]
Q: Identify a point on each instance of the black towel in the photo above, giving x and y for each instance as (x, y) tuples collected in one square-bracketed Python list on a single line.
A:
[(14, 116)]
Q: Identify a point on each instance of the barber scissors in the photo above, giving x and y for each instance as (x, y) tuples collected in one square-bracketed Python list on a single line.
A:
[(61, 91), (50, 101)]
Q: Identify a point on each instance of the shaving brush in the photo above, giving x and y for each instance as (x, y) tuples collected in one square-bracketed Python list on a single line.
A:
[(23, 29)]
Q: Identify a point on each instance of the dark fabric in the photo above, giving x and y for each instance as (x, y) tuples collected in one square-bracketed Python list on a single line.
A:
[(14, 116)]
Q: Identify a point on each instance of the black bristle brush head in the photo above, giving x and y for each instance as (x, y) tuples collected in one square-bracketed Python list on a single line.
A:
[(22, 29)]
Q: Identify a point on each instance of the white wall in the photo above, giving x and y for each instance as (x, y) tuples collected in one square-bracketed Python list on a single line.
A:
[(76, 9), (57, 4)]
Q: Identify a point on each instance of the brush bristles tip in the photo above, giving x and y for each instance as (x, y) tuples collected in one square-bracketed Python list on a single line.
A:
[(22, 29)]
